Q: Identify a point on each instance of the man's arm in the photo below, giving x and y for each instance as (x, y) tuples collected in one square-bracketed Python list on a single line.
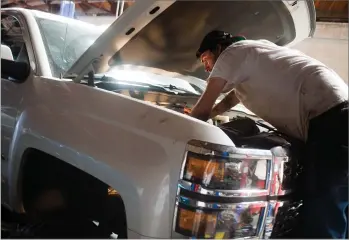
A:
[(227, 103), (203, 107), (226, 69)]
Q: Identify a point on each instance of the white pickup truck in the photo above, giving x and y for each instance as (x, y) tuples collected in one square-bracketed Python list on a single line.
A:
[(83, 118)]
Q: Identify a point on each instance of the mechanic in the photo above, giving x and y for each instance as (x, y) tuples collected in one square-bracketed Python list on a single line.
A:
[(299, 96)]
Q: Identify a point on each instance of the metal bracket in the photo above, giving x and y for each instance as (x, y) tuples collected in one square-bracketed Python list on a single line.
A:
[(91, 80), (88, 69)]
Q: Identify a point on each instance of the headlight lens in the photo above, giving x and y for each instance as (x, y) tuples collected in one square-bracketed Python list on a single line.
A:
[(206, 171), (215, 172), (238, 220), (196, 221)]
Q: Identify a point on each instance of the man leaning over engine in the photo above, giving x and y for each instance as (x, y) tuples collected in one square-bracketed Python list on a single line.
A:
[(302, 98)]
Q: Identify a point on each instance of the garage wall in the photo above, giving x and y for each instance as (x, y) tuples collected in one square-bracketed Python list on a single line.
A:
[(330, 46)]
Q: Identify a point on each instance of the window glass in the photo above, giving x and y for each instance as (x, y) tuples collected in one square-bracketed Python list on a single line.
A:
[(66, 41), (12, 39)]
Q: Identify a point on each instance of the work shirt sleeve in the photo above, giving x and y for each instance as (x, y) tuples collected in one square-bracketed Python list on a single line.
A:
[(230, 66)]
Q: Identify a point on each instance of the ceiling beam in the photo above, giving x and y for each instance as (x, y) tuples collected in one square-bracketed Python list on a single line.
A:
[(84, 6), (112, 6), (99, 6), (35, 2), (332, 11)]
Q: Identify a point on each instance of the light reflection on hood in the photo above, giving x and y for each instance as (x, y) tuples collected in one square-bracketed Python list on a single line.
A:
[(134, 74)]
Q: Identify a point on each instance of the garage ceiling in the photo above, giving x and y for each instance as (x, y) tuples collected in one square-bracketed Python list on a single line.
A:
[(332, 10), (327, 10), (82, 7)]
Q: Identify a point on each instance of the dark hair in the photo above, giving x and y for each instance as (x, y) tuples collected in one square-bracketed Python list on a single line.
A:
[(216, 37)]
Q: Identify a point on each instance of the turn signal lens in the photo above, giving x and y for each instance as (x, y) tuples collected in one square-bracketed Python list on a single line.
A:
[(197, 222), (205, 170), (212, 172)]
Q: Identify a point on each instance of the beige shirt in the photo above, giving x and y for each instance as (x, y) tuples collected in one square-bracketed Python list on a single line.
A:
[(282, 86)]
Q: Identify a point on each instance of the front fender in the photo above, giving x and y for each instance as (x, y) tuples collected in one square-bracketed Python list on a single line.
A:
[(141, 176), (27, 137), (135, 147)]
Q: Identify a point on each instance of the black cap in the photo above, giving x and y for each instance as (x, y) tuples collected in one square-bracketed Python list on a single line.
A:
[(215, 37)]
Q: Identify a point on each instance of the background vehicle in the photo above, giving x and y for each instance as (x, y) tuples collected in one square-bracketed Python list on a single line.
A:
[(122, 162)]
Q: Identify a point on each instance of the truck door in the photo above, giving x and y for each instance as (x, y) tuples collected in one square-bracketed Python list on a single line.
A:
[(15, 43)]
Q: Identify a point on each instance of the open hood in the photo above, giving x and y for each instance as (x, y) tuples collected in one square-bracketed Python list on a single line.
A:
[(166, 34)]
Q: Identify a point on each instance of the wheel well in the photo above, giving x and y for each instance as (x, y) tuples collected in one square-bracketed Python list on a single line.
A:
[(82, 192)]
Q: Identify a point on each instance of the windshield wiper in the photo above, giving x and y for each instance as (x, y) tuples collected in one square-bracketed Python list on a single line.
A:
[(173, 87)]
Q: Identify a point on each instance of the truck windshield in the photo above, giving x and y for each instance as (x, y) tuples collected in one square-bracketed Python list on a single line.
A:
[(65, 41)]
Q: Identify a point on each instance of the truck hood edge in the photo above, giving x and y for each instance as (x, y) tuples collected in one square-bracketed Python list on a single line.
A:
[(166, 34)]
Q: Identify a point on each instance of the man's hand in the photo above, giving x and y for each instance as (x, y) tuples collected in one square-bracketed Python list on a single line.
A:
[(203, 107), (227, 103)]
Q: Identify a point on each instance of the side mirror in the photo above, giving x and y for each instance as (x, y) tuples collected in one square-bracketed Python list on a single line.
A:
[(18, 71), (6, 52)]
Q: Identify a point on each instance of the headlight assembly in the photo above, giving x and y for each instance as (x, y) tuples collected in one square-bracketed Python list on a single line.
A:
[(223, 192)]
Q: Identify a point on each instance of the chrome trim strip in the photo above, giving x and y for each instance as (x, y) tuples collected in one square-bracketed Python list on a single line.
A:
[(212, 149), (197, 188), (270, 216), (281, 193), (280, 157), (269, 175), (206, 147), (174, 220), (253, 153), (280, 152), (184, 162), (218, 206)]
